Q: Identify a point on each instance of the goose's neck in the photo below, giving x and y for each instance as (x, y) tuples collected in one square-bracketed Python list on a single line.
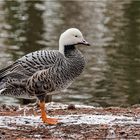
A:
[(69, 50)]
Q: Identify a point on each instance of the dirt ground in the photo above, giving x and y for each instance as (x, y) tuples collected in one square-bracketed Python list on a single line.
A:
[(63, 131)]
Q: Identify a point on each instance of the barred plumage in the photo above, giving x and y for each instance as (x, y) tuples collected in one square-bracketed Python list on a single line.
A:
[(40, 73)]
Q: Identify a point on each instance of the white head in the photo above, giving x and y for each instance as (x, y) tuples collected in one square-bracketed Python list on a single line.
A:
[(71, 36)]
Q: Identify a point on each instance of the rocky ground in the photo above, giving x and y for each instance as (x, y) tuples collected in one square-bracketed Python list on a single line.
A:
[(76, 122)]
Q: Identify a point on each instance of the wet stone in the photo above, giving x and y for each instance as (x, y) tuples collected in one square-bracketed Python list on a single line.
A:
[(71, 107)]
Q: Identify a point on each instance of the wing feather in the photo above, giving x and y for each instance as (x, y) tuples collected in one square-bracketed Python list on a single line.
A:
[(26, 66), (30, 63)]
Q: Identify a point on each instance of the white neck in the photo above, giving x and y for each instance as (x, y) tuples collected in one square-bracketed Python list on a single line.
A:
[(61, 48), (61, 45)]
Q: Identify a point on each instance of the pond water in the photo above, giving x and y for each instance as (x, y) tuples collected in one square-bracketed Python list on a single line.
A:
[(112, 73)]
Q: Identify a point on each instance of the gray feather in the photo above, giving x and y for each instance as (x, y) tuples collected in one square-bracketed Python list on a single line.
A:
[(41, 72)]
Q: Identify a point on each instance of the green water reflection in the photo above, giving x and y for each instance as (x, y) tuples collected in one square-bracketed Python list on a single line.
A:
[(112, 74)]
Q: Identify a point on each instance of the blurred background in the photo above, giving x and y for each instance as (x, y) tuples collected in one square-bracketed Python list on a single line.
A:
[(112, 74)]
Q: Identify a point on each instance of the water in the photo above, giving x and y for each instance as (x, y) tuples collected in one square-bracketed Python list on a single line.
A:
[(112, 74)]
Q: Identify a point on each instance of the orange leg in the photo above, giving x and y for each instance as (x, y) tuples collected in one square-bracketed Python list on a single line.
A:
[(44, 116)]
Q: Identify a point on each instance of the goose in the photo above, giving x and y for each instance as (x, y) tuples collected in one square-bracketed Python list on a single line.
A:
[(43, 72)]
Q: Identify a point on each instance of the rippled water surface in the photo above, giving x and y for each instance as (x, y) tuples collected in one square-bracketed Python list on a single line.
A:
[(112, 74)]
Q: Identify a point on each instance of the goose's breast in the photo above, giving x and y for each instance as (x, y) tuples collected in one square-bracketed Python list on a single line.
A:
[(67, 74)]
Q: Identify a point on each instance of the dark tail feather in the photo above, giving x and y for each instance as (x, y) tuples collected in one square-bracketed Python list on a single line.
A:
[(4, 70), (8, 69)]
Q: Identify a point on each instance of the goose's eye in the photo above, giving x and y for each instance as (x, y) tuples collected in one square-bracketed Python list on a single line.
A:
[(76, 36)]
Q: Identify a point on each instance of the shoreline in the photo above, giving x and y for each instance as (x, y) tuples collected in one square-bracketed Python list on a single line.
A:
[(75, 122)]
